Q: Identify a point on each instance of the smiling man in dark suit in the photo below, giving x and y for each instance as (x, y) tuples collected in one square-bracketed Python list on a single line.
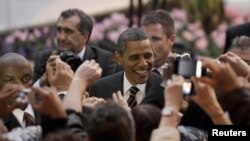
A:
[(135, 54), (74, 28)]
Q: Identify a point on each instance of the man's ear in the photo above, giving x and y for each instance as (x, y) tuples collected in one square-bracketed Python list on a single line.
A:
[(118, 58), (172, 39), (85, 36)]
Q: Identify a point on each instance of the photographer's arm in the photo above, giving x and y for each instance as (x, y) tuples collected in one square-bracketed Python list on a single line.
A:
[(86, 74), (170, 116), (205, 97)]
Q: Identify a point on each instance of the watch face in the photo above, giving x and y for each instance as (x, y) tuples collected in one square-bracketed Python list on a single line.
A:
[(167, 111)]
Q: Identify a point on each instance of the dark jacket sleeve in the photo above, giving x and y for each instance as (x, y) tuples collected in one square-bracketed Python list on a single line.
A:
[(77, 123), (237, 103), (40, 64)]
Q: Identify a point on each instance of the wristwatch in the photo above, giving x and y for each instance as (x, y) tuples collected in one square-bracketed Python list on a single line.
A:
[(167, 111)]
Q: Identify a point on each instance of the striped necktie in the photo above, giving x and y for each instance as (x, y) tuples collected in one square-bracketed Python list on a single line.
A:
[(132, 97), (28, 119)]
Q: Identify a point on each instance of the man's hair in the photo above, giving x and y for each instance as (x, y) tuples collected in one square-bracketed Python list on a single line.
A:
[(110, 122), (12, 57), (147, 118), (131, 34), (86, 23), (160, 17), (242, 43)]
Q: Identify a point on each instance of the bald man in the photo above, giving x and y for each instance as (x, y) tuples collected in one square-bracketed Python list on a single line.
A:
[(15, 69)]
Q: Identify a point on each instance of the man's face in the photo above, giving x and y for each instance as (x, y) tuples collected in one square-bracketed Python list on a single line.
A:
[(137, 61), (244, 55), (68, 36), (16, 74), (161, 43)]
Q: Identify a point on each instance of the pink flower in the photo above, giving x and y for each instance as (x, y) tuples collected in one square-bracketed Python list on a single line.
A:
[(193, 27), (178, 25), (232, 12), (37, 33), (97, 32), (218, 38), (119, 18), (107, 23), (10, 39), (113, 36), (179, 14), (188, 36), (238, 20), (199, 33), (46, 30), (201, 43)]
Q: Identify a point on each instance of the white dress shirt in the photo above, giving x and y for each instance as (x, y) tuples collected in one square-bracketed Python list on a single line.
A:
[(18, 113)]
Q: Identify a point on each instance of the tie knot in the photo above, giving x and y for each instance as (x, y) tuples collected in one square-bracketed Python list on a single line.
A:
[(133, 90)]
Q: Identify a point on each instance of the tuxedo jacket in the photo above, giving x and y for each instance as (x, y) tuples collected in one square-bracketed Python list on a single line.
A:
[(234, 31), (104, 58), (105, 87)]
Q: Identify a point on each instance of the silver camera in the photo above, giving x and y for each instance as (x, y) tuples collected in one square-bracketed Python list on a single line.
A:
[(22, 96)]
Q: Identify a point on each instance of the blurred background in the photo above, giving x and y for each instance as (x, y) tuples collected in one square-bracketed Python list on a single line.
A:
[(28, 26)]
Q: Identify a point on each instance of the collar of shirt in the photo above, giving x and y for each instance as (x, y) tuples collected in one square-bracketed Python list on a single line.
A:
[(81, 54), (18, 113), (160, 70), (127, 85)]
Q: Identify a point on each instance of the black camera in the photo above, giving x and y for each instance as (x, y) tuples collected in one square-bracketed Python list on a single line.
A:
[(71, 59)]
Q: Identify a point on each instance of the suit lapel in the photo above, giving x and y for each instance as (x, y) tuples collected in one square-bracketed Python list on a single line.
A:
[(119, 82), (11, 122), (89, 54), (149, 84)]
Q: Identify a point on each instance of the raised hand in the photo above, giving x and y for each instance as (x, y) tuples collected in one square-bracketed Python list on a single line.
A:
[(88, 72), (49, 103), (222, 75), (7, 103), (119, 99), (59, 75)]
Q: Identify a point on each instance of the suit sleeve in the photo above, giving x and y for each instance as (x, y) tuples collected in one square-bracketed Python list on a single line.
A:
[(39, 65)]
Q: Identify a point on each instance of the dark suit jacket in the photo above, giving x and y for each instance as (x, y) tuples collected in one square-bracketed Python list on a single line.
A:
[(104, 58), (105, 87), (11, 122), (234, 31)]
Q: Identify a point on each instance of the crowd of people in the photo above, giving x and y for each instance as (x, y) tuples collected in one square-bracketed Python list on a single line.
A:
[(79, 92)]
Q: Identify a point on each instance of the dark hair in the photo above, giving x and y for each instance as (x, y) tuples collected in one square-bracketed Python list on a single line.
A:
[(131, 34), (242, 43), (110, 122), (86, 24), (147, 117), (161, 17), (63, 135)]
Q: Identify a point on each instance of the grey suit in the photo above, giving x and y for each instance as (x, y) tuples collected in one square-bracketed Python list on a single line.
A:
[(105, 87)]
